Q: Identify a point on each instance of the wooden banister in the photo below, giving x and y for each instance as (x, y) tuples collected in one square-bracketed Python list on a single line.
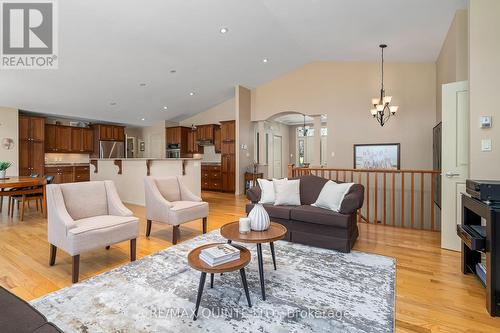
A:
[(403, 196)]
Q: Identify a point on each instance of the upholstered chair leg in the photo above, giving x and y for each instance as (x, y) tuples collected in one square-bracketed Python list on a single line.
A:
[(53, 253), (133, 245), (107, 247), (148, 228), (204, 223), (76, 268), (175, 234)]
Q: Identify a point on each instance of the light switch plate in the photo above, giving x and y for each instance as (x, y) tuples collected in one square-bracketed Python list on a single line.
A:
[(486, 145), (485, 121)]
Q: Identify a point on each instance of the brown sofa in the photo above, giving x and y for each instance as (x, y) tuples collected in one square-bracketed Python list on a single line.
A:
[(315, 226), (17, 316)]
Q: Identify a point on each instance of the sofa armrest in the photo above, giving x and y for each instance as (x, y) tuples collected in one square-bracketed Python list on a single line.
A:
[(253, 194), (353, 200), (115, 205)]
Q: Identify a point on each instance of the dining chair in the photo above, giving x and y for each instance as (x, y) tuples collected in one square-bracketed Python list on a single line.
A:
[(86, 216), (12, 192), (27, 198), (169, 201)]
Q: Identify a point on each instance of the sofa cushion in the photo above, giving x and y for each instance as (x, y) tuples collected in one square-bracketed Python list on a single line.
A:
[(307, 213), (86, 199), (185, 211), (277, 212), (17, 315), (100, 231), (310, 188), (353, 200)]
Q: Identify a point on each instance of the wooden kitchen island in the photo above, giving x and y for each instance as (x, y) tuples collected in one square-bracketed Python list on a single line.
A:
[(128, 174)]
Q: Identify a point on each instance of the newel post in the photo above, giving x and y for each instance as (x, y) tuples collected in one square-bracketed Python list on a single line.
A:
[(290, 170)]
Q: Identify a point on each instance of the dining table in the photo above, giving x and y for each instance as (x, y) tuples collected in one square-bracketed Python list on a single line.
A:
[(24, 185)]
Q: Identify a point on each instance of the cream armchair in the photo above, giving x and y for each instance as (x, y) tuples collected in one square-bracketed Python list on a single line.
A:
[(85, 216), (169, 201)]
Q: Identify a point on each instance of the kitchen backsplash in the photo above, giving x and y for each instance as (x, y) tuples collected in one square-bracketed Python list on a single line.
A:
[(209, 155), (66, 158)]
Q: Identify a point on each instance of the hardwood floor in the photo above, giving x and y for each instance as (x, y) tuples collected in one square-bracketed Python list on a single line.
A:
[(432, 294)]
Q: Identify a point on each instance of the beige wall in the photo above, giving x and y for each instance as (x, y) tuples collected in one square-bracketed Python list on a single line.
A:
[(244, 135), (453, 61), (484, 69), (343, 91), (9, 129), (220, 112)]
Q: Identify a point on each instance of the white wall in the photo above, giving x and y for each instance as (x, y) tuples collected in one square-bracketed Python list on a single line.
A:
[(343, 91), (484, 69), (220, 112), (9, 128), (244, 135)]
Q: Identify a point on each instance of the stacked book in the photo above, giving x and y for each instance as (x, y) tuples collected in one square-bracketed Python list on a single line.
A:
[(219, 254)]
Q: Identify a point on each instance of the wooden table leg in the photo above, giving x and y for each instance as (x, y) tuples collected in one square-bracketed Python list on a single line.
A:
[(261, 270), (44, 201), (272, 254), (245, 286), (200, 292)]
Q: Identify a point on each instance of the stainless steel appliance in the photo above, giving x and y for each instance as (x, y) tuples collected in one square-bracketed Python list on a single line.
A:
[(173, 151), (111, 149)]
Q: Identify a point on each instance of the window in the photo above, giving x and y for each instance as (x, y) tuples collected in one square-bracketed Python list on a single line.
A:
[(301, 152)]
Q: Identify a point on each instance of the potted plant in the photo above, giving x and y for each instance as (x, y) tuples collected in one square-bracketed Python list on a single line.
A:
[(3, 168)]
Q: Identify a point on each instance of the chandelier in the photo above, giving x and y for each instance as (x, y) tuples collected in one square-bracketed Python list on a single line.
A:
[(382, 110)]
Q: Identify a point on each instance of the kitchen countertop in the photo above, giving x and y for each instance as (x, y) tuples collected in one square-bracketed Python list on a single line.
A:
[(65, 164), (210, 163), (145, 159)]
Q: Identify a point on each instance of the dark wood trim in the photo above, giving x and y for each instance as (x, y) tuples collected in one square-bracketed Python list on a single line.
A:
[(148, 166), (148, 228), (118, 163), (76, 268), (53, 253), (94, 163), (204, 225), (175, 234), (133, 249)]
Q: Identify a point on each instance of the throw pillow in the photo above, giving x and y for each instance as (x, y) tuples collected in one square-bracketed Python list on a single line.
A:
[(286, 192), (267, 191), (331, 195)]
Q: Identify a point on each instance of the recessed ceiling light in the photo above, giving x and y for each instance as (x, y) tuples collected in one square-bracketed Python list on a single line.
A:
[(142, 84), (223, 30), (265, 60), (191, 93), (165, 107), (173, 71), (112, 103), (143, 119)]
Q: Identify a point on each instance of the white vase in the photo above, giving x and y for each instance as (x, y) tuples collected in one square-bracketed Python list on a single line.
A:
[(259, 218), (2, 173)]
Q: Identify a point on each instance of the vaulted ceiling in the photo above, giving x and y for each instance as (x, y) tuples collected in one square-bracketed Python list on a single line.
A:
[(124, 61)]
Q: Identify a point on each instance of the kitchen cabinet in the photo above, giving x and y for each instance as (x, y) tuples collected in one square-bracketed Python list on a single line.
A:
[(82, 140), (68, 174), (211, 178), (205, 132), (105, 132), (228, 131), (179, 135), (31, 145), (228, 157), (217, 139), (192, 144), (68, 139)]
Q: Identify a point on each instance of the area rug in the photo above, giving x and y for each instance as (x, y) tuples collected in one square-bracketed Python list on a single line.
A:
[(313, 290)]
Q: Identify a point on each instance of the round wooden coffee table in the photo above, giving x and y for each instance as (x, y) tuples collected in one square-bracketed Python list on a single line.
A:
[(198, 264), (275, 232)]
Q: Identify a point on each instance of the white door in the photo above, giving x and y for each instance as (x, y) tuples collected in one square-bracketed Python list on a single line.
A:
[(455, 159), (277, 157)]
